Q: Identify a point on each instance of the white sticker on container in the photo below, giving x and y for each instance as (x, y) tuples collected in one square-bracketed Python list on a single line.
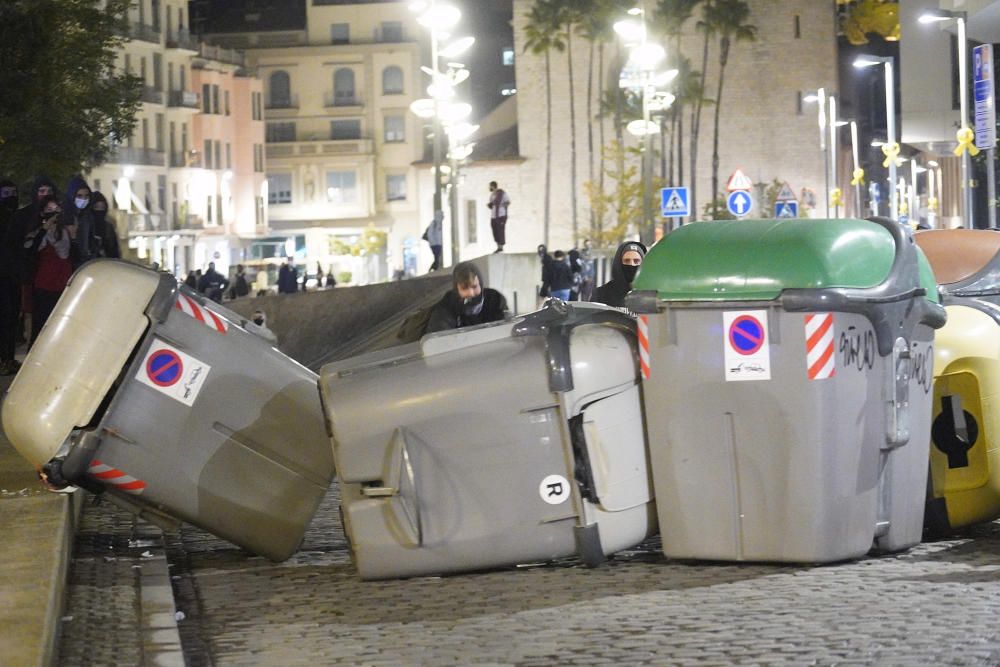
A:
[(173, 372), (746, 351), (554, 489)]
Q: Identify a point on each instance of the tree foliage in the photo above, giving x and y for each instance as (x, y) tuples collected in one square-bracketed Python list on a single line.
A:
[(64, 105), (622, 201), (869, 17)]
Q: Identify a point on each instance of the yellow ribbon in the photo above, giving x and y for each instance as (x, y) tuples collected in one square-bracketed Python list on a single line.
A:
[(836, 197), (858, 177), (904, 207), (891, 152), (965, 138), (932, 203)]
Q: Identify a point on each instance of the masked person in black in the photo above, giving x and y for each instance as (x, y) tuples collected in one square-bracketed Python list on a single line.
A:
[(624, 266), (11, 253), (468, 303), (77, 211), (105, 236)]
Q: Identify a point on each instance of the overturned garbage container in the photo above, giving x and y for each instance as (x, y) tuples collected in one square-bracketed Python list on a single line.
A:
[(787, 388), (141, 390), (501, 444), (964, 480)]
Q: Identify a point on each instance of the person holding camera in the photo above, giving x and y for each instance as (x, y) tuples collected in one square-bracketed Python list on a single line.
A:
[(49, 248)]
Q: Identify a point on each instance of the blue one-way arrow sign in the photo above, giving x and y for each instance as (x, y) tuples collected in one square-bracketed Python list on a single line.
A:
[(739, 203)]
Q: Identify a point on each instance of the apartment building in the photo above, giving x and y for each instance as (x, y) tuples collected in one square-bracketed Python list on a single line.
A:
[(338, 80), (171, 204)]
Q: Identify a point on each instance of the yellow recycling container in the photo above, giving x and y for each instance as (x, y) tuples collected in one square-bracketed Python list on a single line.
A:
[(964, 481)]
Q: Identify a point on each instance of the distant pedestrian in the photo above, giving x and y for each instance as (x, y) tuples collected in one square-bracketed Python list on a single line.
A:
[(191, 280), (331, 281), (319, 276), (288, 278), (213, 284), (239, 286), (543, 255), (586, 271), (498, 204), (561, 276), (624, 267), (434, 235)]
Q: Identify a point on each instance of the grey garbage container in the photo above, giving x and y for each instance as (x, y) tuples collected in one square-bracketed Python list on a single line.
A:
[(144, 391), (506, 443), (788, 396)]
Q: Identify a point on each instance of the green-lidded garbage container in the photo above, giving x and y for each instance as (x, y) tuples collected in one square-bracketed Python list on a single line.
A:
[(787, 384), (170, 405)]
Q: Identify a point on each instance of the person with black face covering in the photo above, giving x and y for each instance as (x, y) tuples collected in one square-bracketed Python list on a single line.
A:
[(11, 252), (468, 303), (624, 266), (105, 235)]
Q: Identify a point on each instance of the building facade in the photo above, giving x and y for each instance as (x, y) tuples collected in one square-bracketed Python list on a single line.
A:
[(340, 141), (172, 205)]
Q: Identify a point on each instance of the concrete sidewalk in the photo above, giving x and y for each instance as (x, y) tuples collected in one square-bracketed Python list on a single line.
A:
[(37, 529)]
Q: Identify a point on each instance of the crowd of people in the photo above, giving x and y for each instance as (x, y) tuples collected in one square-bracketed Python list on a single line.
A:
[(41, 243), (570, 277)]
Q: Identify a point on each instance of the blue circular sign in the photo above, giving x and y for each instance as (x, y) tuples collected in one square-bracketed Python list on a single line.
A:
[(746, 334), (164, 368), (739, 203)]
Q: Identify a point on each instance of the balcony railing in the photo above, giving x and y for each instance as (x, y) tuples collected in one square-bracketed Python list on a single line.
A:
[(143, 32), (147, 222), (182, 39), (318, 147), (333, 100), (219, 54), (139, 156), (183, 98), (287, 103), (151, 95)]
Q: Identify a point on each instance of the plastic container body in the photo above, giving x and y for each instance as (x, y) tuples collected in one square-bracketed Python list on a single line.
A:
[(508, 443), (201, 421)]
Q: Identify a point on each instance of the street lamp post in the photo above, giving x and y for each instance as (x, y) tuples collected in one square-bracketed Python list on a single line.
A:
[(891, 147), (640, 74), (439, 18), (965, 134), (820, 99), (858, 174)]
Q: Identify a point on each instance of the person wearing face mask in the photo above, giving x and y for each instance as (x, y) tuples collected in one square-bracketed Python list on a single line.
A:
[(27, 219), (105, 234), (77, 211), (468, 302), (258, 325), (51, 245), (11, 242), (624, 266)]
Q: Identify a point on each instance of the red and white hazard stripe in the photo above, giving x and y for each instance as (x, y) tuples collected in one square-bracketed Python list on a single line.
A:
[(644, 346), (116, 478), (820, 360), (187, 305)]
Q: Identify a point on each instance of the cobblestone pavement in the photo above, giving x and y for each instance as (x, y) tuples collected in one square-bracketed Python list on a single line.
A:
[(937, 604)]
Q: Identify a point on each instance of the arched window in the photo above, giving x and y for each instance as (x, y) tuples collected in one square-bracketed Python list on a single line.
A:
[(392, 80), (281, 90), (343, 87)]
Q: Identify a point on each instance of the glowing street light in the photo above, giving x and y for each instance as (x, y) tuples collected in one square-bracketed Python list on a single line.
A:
[(891, 148)]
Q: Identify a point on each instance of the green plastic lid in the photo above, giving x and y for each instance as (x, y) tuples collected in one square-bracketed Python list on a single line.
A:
[(754, 260)]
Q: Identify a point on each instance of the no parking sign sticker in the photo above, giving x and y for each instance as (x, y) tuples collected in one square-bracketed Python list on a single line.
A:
[(747, 354), (172, 372)]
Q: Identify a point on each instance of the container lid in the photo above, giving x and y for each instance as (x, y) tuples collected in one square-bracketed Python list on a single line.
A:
[(961, 255), (755, 260)]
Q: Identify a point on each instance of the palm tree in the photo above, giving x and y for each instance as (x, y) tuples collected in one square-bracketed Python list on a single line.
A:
[(541, 35), (670, 16), (729, 20), (595, 27)]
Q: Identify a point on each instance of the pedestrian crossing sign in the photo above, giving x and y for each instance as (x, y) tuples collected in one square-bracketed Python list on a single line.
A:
[(786, 209), (674, 202)]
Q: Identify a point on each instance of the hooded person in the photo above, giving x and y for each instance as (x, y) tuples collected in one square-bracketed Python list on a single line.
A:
[(624, 266), (77, 209), (105, 234), (468, 302), (11, 253), (29, 215)]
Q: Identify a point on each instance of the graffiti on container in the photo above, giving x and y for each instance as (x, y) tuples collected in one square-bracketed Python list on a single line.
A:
[(858, 349), (922, 366)]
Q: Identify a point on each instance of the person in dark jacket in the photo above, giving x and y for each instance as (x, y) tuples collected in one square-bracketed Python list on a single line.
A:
[(11, 253), (191, 280), (288, 278), (560, 276), (77, 211), (105, 234), (546, 260), (240, 285), (212, 283), (50, 246), (624, 266), (468, 303)]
